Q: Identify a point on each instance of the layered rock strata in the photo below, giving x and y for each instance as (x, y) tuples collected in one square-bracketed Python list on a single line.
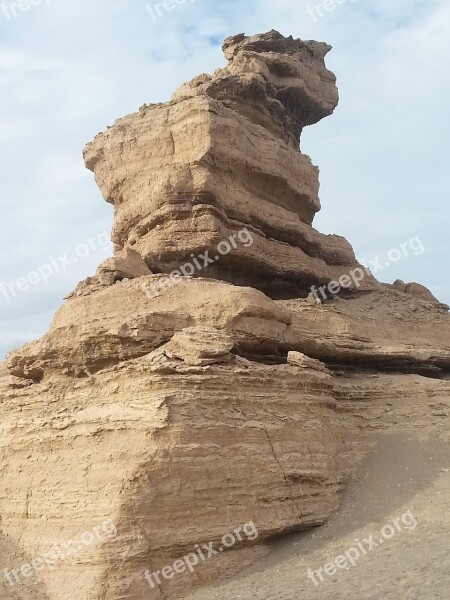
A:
[(223, 156), (379, 329), (178, 409)]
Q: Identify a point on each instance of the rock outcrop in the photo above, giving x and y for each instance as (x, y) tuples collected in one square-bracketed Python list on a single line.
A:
[(176, 398), (419, 291), (223, 156), (123, 321), (127, 264)]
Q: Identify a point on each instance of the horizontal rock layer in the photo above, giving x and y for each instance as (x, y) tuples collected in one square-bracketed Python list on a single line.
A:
[(388, 329), (176, 408), (176, 455), (168, 452), (185, 175)]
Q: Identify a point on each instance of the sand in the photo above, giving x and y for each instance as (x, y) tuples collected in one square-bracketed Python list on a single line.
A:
[(403, 475)]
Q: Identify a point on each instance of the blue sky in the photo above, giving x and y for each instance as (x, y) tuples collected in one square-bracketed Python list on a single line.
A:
[(69, 69)]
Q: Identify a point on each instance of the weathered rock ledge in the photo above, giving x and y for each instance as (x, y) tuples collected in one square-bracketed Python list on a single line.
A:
[(180, 408), (222, 156)]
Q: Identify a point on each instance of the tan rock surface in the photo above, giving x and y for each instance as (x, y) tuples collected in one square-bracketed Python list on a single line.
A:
[(223, 156), (305, 362), (168, 452), (419, 291), (386, 329), (402, 475), (180, 408)]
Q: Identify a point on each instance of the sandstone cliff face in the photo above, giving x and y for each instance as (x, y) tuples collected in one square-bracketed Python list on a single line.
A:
[(121, 322), (180, 409), (221, 156)]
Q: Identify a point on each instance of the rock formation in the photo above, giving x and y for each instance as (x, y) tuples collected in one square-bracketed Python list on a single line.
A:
[(179, 398), (221, 156)]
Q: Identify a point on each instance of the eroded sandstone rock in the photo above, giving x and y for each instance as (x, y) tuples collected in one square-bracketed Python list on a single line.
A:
[(180, 408), (200, 346), (121, 322), (223, 156), (305, 362), (125, 265), (417, 290)]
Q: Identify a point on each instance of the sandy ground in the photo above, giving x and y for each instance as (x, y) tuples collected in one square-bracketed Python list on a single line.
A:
[(402, 474)]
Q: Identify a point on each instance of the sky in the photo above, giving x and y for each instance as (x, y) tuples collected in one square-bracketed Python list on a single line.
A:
[(69, 69)]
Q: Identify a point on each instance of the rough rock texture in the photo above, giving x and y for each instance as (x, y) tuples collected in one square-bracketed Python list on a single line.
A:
[(305, 362), (127, 264), (383, 329), (417, 290), (223, 156), (180, 408), (169, 452)]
